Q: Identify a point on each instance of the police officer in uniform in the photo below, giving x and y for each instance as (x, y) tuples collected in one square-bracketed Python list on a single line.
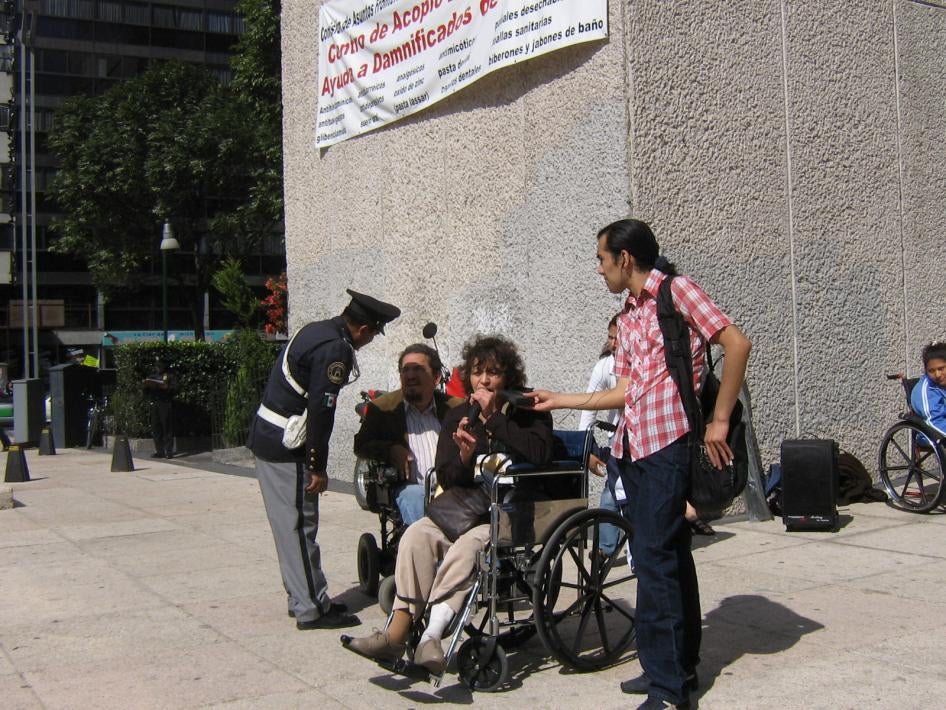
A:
[(306, 379)]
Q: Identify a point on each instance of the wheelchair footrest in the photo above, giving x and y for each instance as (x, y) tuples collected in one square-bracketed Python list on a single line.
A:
[(405, 668)]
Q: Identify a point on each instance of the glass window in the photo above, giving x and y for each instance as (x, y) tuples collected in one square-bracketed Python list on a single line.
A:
[(52, 60), (6, 58), (80, 63), (136, 13), (133, 66), (83, 9), (179, 40), (110, 11), (110, 67), (177, 18), (113, 32), (57, 8), (63, 28)]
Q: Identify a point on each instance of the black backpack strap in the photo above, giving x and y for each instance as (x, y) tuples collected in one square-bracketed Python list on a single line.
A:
[(676, 334)]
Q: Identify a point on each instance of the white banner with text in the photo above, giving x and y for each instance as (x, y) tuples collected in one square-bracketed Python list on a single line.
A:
[(380, 61)]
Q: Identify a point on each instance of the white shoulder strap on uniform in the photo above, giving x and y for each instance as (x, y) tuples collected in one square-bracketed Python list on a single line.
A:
[(290, 380)]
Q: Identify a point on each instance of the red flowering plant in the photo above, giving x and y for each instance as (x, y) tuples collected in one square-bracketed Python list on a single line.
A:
[(276, 305)]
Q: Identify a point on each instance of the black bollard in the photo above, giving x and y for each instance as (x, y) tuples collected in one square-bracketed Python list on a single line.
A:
[(47, 447), (121, 455), (17, 470)]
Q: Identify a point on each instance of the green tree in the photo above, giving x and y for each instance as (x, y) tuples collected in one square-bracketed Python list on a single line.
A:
[(236, 294), (167, 145), (257, 72)]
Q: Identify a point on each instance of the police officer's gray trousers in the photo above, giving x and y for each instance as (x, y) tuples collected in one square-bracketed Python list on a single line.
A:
[(294, 518)]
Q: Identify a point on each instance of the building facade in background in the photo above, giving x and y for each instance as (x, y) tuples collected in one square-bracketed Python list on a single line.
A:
[(85, 47), (789, 155)]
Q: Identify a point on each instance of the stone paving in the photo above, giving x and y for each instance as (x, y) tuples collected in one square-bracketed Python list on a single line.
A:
[(160, 589)]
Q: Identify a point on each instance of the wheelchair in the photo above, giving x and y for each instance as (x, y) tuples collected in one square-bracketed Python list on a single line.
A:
[(912, 459), (542, 573), (378, 482)]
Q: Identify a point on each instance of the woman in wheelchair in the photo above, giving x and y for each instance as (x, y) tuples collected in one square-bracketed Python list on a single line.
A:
[(431, 571)]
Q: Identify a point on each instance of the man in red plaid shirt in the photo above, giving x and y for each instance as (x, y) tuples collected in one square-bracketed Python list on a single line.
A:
[(651, 442)]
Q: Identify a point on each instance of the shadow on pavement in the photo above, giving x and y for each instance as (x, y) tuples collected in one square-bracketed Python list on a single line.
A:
[(747, 624)]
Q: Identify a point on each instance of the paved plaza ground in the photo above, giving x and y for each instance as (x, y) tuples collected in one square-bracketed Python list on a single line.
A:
[(160, 589)]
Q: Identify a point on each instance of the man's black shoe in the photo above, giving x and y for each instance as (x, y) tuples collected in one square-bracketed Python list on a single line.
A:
[(332, 620), (641, 684), (157, 455)]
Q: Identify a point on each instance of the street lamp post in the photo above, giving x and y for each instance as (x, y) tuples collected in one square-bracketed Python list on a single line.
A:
[(168, 243)]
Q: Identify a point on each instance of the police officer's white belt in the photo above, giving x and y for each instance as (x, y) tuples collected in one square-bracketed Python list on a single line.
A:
[(293, 428), (268, 415)]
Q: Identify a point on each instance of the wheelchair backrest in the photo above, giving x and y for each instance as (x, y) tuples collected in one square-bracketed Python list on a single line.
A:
[(570, 445), (908, 384)]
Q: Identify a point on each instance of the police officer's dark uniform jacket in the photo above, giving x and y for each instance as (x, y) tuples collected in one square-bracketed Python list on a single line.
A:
[(320, 360)]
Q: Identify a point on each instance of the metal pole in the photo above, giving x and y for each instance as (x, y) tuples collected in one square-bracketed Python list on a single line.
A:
[(164, 292), (24, 253), (33, 203)]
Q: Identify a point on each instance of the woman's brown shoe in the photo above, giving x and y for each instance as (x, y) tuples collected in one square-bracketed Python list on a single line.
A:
[(377, 646), (429, 654)]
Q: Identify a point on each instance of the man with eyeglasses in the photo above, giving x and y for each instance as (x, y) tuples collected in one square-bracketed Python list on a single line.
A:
[(401, 428), (289, 437)]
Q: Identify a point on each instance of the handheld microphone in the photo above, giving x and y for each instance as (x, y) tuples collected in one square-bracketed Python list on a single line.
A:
[(473, 415), (517, 398)]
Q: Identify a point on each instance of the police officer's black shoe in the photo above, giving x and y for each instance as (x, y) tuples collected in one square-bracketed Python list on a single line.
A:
[(332, 620), (340, 607)]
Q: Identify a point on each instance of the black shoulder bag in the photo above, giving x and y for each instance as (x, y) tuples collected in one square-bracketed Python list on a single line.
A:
[(711, 489)]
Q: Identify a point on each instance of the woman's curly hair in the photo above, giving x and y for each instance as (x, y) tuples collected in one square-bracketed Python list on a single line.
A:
[(493, 348)]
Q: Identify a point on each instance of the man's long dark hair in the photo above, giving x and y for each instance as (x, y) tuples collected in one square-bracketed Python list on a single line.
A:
[(637, 239)]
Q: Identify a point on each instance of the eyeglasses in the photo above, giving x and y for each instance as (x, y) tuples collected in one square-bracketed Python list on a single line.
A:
[(414, 370)]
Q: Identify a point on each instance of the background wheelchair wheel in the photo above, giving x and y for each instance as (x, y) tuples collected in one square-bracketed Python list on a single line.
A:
[(480, 667), (369, 564), (911, 470), (386, 593), (587, 620), (361, 493)]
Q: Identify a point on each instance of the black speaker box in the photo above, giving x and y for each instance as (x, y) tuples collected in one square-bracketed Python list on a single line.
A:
[(810, 484)]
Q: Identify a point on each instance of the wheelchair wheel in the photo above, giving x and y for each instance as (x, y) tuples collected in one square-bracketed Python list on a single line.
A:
[(482, 664), (368, 564), (586, 620), (386, 593), (911, 469), (361, 492)]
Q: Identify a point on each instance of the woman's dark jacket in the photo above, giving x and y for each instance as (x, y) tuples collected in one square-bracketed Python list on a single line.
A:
[(524, 434)]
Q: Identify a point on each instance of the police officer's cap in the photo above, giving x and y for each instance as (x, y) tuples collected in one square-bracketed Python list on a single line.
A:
[(376, 312)]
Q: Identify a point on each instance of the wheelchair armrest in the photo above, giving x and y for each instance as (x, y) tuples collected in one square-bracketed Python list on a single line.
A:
[(550, 467)]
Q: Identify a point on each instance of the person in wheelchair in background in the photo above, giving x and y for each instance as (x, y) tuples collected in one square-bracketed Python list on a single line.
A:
[(928, 398), (431, 570), (401, 428)]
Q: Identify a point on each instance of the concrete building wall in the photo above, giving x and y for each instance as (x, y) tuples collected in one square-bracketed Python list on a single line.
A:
[(789, 155)]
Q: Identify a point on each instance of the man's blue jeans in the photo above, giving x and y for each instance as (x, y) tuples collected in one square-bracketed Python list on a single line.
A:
[(410, 501), (668, 618)]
